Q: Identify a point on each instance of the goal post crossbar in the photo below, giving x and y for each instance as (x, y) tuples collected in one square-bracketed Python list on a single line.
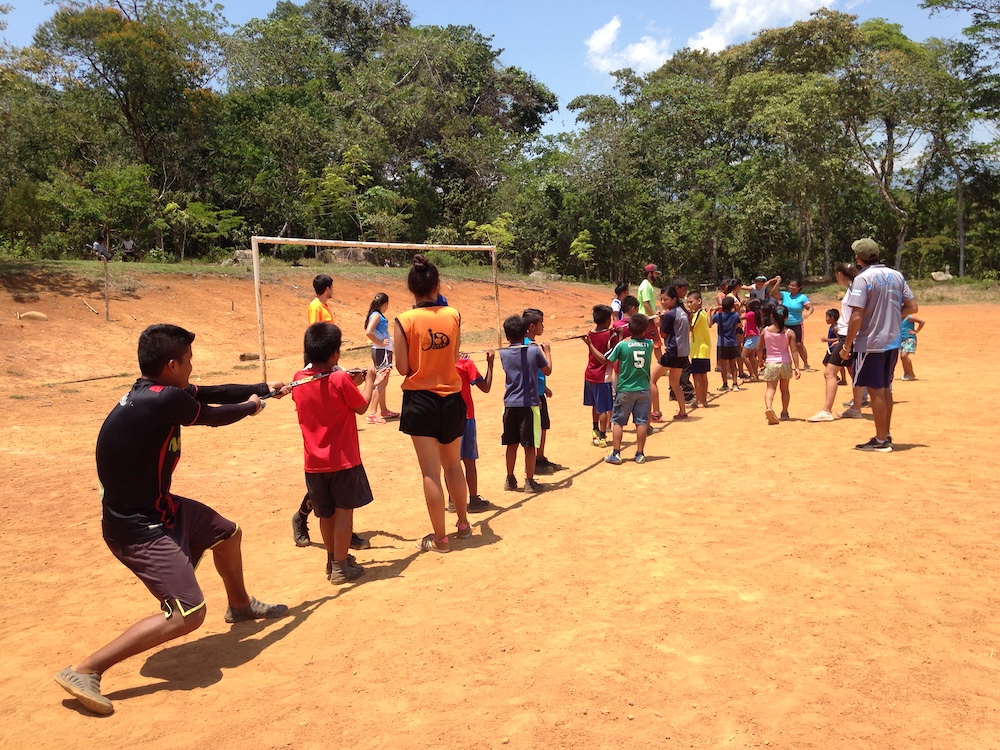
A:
[(257, 241)]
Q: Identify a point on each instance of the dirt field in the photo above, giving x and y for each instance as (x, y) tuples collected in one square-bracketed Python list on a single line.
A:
[(750, 586)]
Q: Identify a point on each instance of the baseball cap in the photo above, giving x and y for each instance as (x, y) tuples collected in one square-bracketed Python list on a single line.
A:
[(866, 249), (760, 278), (651, 268)]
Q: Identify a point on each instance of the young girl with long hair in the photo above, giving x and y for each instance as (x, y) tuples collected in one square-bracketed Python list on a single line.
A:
[(777, 343), (377, 331)]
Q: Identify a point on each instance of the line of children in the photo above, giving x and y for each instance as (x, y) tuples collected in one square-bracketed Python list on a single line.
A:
[(534, 319), (727, 347), (469, 373)]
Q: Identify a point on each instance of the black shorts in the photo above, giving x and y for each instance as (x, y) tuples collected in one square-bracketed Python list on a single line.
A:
[(166, 564), (426, 414), (797, 330), (522, 426), (543, 408), (875, 369), (833, 356), (343, 489), (382, 358), (727, 352), (700, 366), (674, 363)]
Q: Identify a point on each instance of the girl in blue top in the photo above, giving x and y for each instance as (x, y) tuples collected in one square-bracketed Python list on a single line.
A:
[(799, 308), (909, 329), (377, 331)]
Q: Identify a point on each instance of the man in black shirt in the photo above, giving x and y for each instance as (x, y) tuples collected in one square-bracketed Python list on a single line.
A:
[(159, 536)]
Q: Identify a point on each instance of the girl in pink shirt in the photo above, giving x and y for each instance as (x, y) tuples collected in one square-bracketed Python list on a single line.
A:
[(777, 342)]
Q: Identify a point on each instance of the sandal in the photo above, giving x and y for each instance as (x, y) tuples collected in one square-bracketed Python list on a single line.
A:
[(656, 416), (390, 414), (374, 419)]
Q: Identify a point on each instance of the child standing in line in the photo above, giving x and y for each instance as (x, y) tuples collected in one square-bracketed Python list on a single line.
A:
[(777, 342), (335, 476), (521, 414), (377, 331), (630, 306), (676, 331), (831, 338), (727, 351), (319, 308), (596, 386), (634, 357), (534, 319), (701, 347), (621, 291), (910, 328), (751, 336), (470, 442)]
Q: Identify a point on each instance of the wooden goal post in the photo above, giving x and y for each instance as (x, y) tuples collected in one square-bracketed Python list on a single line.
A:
[(256, 242)]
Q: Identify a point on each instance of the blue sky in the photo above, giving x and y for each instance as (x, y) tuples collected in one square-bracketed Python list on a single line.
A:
[(572, 46)]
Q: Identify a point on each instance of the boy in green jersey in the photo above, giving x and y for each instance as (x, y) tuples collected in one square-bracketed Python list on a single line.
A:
[(634, 357)]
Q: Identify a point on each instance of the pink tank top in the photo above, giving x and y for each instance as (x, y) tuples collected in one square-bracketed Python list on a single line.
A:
[(776, 346)]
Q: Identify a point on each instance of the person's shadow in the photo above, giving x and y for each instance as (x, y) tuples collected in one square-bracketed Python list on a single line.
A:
[(199, 663)]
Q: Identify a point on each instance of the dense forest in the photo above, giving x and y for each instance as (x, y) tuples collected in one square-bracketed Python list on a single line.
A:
[(341, 119)]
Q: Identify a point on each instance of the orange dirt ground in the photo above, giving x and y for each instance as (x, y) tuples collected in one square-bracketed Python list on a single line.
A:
[(750, 586)]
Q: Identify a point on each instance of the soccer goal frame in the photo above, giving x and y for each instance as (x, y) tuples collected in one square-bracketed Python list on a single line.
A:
[(257, 241)]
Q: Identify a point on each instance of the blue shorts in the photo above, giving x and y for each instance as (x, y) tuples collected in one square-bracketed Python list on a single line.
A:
[(631, 403), (700, 366), (875, 369), (750, 342), (470, 445), (599, 396)]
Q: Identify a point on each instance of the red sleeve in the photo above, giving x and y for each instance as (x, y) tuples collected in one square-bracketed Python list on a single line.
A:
[(350, 393)]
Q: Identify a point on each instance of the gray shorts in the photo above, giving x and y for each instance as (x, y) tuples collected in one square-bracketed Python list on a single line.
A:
[(631, 403)]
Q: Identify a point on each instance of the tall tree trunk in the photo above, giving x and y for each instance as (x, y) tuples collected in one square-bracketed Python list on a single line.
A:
[(959, 203), (713, 258), (824, 212)]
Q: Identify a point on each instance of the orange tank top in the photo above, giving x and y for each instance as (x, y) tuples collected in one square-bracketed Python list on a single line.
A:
[(432, 349)]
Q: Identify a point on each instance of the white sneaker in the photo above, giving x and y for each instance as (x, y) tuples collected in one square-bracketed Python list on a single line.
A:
[(821, 416), (852, 414)]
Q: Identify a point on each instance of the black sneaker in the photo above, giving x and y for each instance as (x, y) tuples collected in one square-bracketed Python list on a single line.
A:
[(300, 530), (350, 559), (510, 485), (478, 505), (255, 611), (450, 507), (875, 445), (359, 542), (344, 572), (530, 485)]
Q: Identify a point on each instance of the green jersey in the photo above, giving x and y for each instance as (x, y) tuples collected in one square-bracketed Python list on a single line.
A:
[(634, 357)]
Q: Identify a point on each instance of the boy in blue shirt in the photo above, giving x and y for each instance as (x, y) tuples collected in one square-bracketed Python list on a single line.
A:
[(727, 348), (521, 414)]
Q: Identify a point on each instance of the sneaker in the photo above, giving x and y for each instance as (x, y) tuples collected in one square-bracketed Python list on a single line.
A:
[(875, 445), (640, 458), (351, 560), (450, 507), (390, 415), (530, 485), (345, 572), (86, 688), (464, 531), (430, 544), (772, 418), (852, 414), (510, 485), (909, 377), (723, 388), (691, 404), (359, 542), (300, 530), (256, 611), (374, 419), (602, 442), (613, 458), (784, 416), (850, 404), (821, 416), (477, 504), (596, 438), (744, 376), (735, 387)]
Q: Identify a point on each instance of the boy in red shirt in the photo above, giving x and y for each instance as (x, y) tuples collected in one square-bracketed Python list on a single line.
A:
[(470, 444), (596, 385), (335, 478)]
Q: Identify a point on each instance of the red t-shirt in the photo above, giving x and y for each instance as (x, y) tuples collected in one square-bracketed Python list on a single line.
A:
[(602, 341), (470, 376), (327, 417)]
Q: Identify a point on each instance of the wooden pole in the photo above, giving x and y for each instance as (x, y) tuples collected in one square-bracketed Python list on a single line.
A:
[(107, 283), (496, 295), (260, 307)]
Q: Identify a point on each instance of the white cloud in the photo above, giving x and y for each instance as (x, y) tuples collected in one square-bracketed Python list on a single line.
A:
[(738, 19), (643, 56)]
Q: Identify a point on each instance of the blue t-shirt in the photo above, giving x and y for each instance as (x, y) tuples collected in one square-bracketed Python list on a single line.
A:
[(795, 305), (521, 367), (727, 323), (906, 329), (381, 330)]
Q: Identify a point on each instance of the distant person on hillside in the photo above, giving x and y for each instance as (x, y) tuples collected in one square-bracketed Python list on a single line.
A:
[(100, 250), (129, 251)]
